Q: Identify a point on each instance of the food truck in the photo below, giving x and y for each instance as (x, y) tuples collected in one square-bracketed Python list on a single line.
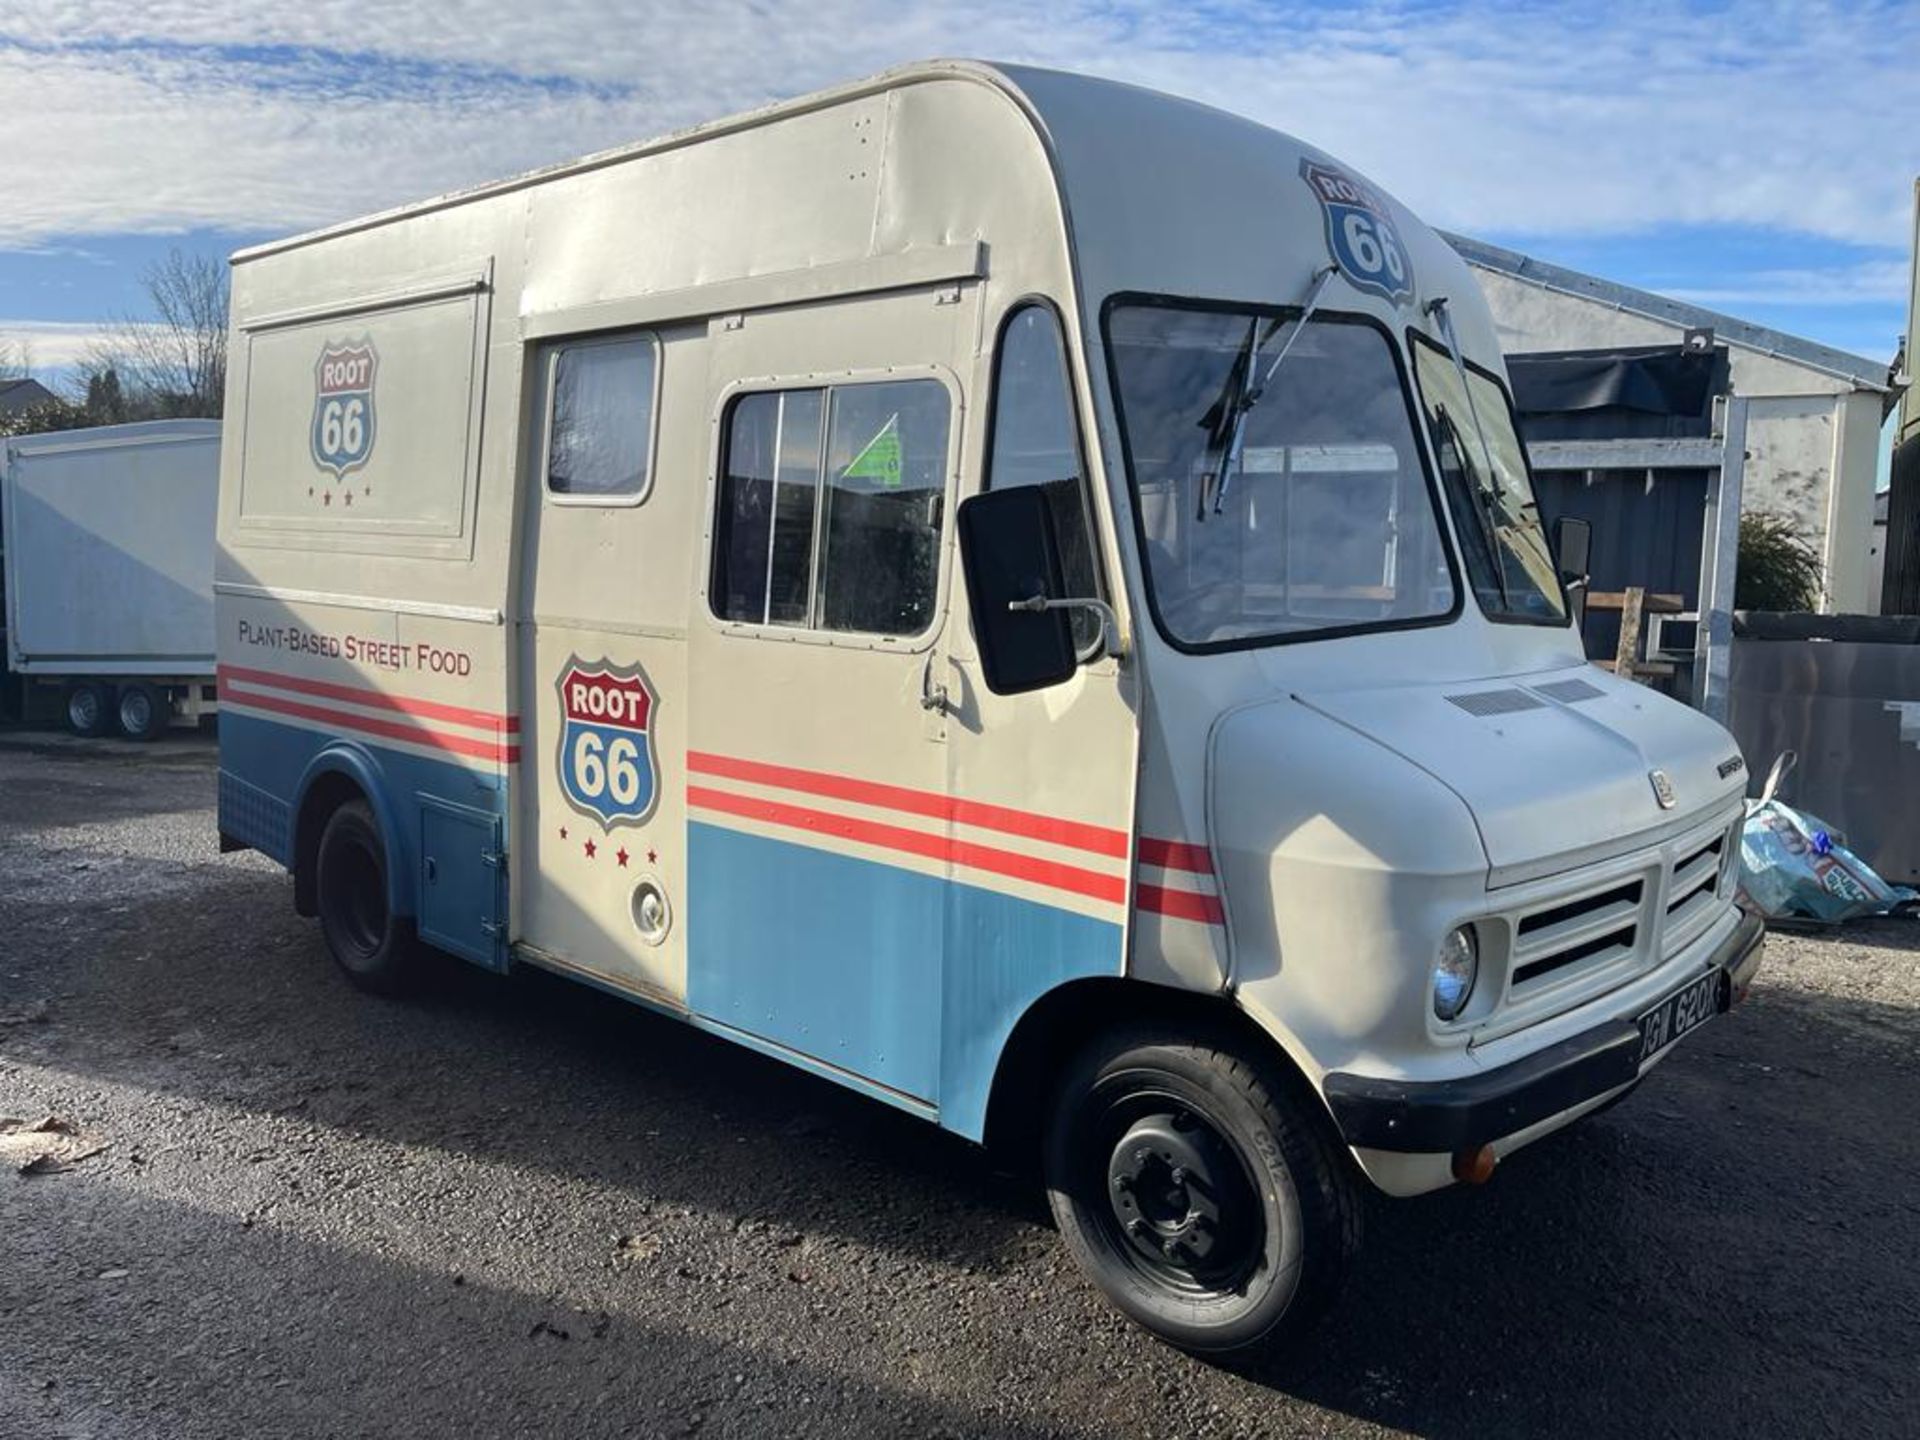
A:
[(1014, 593)]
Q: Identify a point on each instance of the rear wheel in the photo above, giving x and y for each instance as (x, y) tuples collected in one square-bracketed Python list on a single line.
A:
[(142, 710), (374, 946), (89, 708), (1209, 1203)]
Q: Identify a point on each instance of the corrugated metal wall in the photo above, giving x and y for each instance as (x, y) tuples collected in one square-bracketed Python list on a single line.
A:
[(1641, 536)]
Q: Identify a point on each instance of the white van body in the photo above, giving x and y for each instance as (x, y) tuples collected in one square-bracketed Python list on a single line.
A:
[(834, 842), (108, 534)]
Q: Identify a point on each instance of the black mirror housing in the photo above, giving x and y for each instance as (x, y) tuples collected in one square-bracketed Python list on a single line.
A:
[(1572, 552), (1572, 548), (1009, 555)]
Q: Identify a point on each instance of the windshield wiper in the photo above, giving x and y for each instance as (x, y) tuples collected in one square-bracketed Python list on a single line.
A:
[(1226, 418), (1481, 503), (1443, 317)]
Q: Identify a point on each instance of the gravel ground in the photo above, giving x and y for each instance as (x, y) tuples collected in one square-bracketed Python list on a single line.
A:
[(521, 1207)]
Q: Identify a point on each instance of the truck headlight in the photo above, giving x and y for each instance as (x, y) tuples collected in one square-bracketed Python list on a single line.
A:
[(1454, 973)]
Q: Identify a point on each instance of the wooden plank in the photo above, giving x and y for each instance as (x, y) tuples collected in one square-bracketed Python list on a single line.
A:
[(1627, 654), (1656, 604)]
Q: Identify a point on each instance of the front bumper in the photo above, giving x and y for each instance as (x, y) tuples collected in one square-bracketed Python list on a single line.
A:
[(1448, 1116)]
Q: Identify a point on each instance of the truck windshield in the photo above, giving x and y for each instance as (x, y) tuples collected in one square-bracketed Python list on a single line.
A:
[(1304, 514), (1509, 563)]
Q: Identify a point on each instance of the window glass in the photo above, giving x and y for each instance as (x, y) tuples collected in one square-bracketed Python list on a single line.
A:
[(1509, 562), (1274, 502), (837, 530), (600, 425), (1036, 441)]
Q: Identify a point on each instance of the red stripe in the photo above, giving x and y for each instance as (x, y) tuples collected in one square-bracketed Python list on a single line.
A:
[(366, 725), (1175, 855), (1073, 833), (375, 699), (1050, 873), (1181, 904)]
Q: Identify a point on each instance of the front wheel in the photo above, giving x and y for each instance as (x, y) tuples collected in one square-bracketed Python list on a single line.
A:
[(1207, 1201), (374, 946)]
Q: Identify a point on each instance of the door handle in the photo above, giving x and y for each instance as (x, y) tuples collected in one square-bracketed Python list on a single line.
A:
[(932, 696)]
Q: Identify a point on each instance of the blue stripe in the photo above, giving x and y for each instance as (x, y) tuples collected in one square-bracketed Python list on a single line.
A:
[(910, 981), (267, 767)]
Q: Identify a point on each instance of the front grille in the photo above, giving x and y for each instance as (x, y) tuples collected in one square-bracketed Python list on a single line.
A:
[(1597, 929), (1695, 872), (1588, 931)]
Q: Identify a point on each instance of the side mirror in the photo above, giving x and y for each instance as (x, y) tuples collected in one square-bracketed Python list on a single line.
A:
[(1572, 545), (1011, 559)]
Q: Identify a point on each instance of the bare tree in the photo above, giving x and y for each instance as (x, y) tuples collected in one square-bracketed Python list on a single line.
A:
[(176, 362), (16, 360)]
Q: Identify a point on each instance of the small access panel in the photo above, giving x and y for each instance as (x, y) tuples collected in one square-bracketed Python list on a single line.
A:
[(463, 882)]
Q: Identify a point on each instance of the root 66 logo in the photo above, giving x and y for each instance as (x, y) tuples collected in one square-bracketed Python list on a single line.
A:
[(343, 418), (1360, 233), (606, 760)]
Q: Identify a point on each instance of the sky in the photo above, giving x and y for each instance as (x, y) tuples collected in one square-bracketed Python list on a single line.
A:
[(1758, 159)]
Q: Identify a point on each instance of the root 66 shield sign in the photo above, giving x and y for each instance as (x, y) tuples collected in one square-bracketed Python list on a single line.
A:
[(343, 417), (606, 757), (1360, 233)]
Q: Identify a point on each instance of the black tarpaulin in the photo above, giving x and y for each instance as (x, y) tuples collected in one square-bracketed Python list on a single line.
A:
[(1614, 394)]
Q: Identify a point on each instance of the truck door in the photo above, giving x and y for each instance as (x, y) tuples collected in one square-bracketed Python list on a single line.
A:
[(817, 833), (1043, 784)]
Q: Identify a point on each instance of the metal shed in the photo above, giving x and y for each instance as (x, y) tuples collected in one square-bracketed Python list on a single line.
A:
[(1814, 412)]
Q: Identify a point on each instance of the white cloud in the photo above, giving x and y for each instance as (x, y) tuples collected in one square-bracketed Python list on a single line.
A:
[(52, 346), (279, 114), (1873, 282)]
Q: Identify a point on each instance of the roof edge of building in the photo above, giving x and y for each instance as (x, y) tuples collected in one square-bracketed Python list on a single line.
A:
[(1862, 373)]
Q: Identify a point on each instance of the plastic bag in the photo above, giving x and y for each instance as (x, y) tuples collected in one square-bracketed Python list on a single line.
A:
[(1795, 865)]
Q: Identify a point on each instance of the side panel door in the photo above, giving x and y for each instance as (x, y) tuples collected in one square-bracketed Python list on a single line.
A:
[(817, 834), (615, 474)]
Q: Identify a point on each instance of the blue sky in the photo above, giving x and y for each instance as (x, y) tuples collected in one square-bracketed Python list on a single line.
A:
[(1757, 158)]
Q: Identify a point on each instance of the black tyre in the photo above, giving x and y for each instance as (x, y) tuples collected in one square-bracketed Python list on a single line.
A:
[(142, 710), (374, 946), (89, 708), (1208, 1202)]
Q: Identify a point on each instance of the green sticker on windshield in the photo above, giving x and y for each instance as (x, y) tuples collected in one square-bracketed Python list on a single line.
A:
[(880, 460)]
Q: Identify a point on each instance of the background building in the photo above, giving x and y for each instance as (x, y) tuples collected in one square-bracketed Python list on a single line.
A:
[(1813, 432)]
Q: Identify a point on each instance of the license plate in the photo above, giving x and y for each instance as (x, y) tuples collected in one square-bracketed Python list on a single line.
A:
[(1689, 1007)]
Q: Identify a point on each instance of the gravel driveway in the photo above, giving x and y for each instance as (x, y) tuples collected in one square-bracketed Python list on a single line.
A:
[(523, 1208)]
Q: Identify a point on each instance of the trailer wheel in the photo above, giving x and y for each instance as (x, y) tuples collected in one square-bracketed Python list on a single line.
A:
[(375, 947), (1210, 1204), (89, 708), (143, 710)]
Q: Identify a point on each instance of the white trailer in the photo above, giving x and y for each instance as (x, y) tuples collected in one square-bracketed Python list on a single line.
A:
[(108, 542)]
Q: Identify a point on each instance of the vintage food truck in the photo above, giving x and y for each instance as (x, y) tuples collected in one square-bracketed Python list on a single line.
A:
[(1014, 593)]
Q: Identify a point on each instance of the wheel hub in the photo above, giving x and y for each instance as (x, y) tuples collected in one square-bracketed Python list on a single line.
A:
[(1180, 1196)]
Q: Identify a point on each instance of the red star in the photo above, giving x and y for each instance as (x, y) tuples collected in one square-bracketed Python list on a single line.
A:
[(652, 855), (327, 499), (621, 856), (563, 832), (590, 849)]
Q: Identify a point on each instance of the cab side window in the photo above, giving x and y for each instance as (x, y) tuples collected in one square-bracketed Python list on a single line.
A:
[(600, 420), (829, 508), (1036, 441)]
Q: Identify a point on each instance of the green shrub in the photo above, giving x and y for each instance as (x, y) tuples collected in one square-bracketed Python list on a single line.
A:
[(1778, 569)]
